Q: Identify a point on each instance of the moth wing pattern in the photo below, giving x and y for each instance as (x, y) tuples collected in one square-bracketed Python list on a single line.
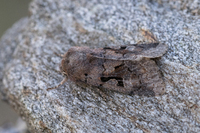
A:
[(132, 52)]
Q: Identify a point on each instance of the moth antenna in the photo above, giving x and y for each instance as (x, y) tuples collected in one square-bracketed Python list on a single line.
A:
[(61, 83), (149, 35), (60, 55)]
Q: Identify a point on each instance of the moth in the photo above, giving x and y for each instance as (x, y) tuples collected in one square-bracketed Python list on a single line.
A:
[(129, 69)]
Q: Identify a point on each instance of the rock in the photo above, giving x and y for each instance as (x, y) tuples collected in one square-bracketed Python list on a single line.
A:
[(29, 66)]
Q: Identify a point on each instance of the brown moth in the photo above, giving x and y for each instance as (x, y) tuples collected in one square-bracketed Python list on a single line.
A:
[(126, 69)]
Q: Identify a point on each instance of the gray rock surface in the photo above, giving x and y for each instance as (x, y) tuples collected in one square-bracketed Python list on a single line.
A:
[(29, 66)]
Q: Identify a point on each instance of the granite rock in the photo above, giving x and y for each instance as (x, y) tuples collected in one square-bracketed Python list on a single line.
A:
[(29, 65)]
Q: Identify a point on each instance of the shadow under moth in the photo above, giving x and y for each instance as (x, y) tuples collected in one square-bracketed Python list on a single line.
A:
[(126, 69)]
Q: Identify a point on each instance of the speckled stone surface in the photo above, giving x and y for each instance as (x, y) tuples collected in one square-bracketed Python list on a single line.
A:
[(28, 66)]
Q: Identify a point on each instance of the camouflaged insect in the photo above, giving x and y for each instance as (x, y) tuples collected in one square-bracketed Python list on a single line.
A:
[(127, 69)]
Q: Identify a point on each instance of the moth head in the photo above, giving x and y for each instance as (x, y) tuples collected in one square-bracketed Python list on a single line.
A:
[(64, 65), (68, 61)]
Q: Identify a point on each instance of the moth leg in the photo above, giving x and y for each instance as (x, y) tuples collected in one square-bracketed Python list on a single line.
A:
[(61, 83)]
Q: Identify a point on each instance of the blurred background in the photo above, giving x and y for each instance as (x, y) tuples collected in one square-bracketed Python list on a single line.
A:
[(10, 12)]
